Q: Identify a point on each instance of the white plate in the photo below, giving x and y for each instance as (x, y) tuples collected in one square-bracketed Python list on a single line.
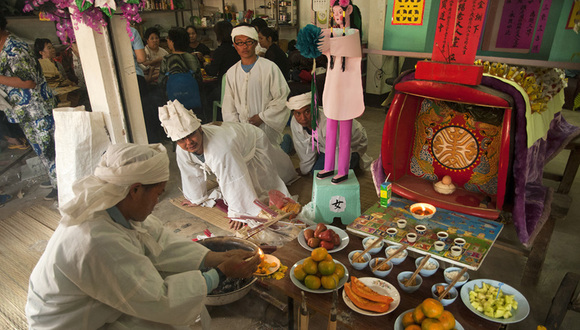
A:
[(518, 314), (399, 322), (380, 287), (270, 258), (303, 287), (341, 233)]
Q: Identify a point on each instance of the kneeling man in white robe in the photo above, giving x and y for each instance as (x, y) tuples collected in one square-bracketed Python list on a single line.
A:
[(240, 155)]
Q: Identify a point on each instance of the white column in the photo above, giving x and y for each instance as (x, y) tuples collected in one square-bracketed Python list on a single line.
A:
[(375, 83), (101, 79)]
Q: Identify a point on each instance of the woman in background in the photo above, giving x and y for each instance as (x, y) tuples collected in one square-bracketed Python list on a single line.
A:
[(30, 98), (196, 47), (268, 39), (153, 55)]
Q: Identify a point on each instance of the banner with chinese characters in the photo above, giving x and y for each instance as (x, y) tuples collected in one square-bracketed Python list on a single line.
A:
[(542, 22), (517, 24), (408, 12), (459, 26)]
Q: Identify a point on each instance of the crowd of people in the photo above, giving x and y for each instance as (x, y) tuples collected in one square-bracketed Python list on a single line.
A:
[(110, 263)]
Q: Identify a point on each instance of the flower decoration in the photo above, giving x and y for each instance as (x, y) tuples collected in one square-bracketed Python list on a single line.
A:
[(68, 13), (308, 40)]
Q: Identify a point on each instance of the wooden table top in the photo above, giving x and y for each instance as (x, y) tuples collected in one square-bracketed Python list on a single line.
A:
[(292, 252)]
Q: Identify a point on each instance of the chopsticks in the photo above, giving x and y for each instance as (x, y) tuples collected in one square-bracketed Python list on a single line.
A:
[(399, 250), (423, 262), (452, 283), (377, 241), (263, 226)]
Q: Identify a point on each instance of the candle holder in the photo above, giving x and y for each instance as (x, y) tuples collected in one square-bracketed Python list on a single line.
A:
[(422, 211)]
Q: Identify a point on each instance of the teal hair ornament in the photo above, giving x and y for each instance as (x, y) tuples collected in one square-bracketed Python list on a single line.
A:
[(307, 42)]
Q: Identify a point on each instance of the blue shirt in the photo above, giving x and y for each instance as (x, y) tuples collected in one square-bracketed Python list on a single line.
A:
[(137, 43)]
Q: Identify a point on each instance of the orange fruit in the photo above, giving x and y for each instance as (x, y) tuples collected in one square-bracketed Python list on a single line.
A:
[(319, 254), (413, 327), (431, 324), (447, 320), (326, 267), (329, 282), (339, 271), (432, 308), (328, 257), (408, 319), (312, 282), (299, 273), (310, 266), (418, 315)]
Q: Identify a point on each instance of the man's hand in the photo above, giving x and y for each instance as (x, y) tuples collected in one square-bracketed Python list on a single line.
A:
[(236, 266), (188, 203), (236, 225), (256, 120)]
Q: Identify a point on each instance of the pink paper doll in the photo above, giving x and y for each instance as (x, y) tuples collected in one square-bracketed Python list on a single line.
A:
[(343, 92)]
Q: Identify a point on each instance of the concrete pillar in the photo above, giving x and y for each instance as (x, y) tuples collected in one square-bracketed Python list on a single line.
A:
[(376, 82)]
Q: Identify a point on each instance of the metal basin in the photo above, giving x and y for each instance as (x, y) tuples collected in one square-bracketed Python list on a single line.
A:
[(239, 287)]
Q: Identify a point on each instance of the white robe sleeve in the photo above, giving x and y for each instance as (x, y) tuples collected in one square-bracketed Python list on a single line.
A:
[(229, 111), (359, 140), (275, 113), (303, 147), (193, 178)]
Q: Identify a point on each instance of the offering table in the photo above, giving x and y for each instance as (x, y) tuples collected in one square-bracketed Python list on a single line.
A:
[(292, 252)]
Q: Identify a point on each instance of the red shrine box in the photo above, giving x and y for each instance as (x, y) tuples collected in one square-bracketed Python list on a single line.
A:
[(434, 129), (449, 72)]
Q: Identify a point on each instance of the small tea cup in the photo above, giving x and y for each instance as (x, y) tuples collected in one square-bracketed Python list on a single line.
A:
[(401, 223), (420, 229), (411, 237), (456, 251), (439, 246), (392, 232), (442, 235), (459, 242)]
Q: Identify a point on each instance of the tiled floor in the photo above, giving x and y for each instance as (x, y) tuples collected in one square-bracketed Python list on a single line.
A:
[(253, 313)]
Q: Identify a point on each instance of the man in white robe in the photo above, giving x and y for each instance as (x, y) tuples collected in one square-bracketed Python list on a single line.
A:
[(256, 93), (238, 154), (310, 146), (102, 267)]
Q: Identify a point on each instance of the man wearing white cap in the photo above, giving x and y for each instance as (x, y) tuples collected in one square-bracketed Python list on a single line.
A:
[(310, 146), (103, 266), (238, 154), (256, 90)]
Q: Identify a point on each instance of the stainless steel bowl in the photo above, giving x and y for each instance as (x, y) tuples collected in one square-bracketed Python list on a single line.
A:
[(223, 244)]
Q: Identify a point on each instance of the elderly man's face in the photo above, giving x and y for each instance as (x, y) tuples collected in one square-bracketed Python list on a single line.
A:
[(303, 116), (245, 46), (146, 197), (193, 142)]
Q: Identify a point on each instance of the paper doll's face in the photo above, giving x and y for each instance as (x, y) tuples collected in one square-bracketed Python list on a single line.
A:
[(337, 14)]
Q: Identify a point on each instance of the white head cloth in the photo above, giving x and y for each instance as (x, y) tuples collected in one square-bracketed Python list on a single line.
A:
[(121, 166), (248, 31), (177, 121), (299, 101)]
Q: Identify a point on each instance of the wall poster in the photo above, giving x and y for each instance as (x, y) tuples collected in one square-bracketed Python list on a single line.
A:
[(408, 12), (518, 21), (574, 15)]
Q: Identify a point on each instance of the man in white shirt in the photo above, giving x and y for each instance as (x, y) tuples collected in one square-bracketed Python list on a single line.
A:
[(238, 154), (110, 264), (309, 143)]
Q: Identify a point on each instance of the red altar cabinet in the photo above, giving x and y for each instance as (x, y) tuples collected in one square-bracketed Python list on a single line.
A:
[(433, 129)]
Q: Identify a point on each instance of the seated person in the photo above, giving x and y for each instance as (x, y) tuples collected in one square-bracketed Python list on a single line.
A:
[(312, 158), (54, 72), (153, 55), (111, 264), (195, 46), (268, 39), (239, 154), (179, 59)]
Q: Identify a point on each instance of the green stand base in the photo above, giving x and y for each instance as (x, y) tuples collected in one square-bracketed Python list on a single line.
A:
[(341, 200)]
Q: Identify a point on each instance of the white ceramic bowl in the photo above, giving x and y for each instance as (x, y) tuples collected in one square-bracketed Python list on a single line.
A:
[(396, 260), (449, 279), (406, 275), (427, 272), (380, 273), (419, 206), (452, 293), (359, 265), (377, 247)]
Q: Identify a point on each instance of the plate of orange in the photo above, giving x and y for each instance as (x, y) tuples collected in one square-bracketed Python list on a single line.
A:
[(310, 287), (399, 321)]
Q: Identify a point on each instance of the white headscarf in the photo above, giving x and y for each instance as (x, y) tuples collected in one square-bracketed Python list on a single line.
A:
[(248, 31), (177, 121), (121, 166), (299, 101)]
